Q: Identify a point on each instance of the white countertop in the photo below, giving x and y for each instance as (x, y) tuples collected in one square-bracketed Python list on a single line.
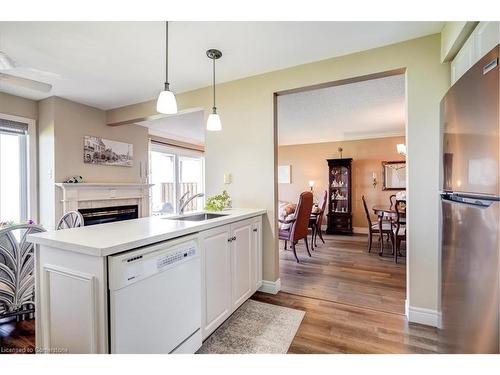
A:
[(111, 238)]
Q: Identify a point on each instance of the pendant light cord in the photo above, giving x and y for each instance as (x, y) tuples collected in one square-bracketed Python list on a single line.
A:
[(214, 109), (166, 57)]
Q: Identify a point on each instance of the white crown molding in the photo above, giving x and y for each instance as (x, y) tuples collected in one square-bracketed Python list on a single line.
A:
[(350, 138)]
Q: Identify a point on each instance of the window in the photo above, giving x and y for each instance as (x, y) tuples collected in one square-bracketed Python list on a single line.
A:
[(16, 160), (175, 171)]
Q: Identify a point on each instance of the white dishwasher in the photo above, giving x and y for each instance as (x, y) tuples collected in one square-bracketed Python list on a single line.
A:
[(155, 298)]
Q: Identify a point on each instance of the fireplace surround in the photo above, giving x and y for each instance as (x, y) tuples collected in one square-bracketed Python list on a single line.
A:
[(92, 198)]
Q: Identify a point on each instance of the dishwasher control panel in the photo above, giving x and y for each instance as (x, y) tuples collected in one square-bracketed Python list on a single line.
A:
[(135, 265), (175, 257)]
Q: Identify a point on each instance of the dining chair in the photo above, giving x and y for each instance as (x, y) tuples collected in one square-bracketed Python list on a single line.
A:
[(319, 218), (17, 280), (71, 219), (392, 200), (373, 228), (299, 228), (398, 228)]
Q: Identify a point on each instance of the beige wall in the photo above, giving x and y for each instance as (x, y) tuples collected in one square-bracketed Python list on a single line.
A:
[(308, 162), (63, 124), (73, 122), (17, 106), (245, 147)]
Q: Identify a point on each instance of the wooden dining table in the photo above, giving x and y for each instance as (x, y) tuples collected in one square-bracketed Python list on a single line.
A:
[(383, 212)]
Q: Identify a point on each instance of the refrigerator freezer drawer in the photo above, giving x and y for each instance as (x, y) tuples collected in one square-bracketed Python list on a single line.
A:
[(470, 278)]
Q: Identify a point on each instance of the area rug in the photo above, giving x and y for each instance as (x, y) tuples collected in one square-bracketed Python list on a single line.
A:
[(255, 328)]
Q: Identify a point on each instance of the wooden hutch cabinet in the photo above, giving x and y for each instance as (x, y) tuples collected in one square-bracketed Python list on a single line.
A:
[(339, 218)]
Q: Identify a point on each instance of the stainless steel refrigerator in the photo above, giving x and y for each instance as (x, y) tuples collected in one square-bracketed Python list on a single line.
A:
[(470, 211)]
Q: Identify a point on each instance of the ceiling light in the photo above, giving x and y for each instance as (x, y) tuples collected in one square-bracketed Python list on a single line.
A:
[(6, 62), (166, 101), (213, 122)]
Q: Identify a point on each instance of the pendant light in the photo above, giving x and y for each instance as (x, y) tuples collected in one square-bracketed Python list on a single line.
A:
[(166, 101), (213, 122)]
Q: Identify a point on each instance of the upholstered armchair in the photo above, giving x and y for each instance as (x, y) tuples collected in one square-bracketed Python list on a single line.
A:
[(299, 224)]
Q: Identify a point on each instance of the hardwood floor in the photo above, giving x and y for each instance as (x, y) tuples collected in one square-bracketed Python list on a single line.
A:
[(343, 271), (330, 327), (17, 337), (353, 301)]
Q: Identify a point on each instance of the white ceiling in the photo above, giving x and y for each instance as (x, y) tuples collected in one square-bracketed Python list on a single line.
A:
[(368, 109), (185, 127), (111, 64)]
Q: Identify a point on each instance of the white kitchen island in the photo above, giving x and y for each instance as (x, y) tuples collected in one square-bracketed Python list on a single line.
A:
[(72, 284)]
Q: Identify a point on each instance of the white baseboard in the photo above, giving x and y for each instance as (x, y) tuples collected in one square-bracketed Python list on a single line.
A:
[(271, 287), (420, 315), (360, 230)]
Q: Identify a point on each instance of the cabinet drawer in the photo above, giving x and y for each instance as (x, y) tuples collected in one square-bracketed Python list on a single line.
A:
[(340, 220), (339, 224)]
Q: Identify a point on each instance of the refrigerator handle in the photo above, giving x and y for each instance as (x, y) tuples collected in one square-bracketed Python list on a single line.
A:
[(480, 202)]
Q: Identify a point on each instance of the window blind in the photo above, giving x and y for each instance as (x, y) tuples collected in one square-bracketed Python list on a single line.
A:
[(13, 127)]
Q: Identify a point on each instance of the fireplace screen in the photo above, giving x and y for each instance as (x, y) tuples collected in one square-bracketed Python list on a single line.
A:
[(101, 215)]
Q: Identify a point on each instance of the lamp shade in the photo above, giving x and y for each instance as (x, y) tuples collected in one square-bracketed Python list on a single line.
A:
[(401, 147), (213, 122), (166, 103)]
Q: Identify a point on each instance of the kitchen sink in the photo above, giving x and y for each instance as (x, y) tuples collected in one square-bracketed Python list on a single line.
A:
[(198, 217)]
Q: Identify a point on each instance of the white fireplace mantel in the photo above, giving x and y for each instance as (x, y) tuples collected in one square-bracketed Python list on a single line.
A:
[(74, 196)]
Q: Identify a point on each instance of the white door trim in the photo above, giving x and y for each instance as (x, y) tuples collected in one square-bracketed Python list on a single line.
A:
[(32, 163)]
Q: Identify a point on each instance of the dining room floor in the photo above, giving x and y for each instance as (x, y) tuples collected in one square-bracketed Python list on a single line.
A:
[(330, 327), (342, 271)]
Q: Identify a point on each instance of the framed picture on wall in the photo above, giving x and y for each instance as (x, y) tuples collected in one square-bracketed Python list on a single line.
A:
[(284, 174), (394, 175), (97, 150)]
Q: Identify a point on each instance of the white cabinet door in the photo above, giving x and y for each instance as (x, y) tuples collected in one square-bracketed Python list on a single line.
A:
[(463, 60), (241, 254), (482, 40), (487, 37), (257, 253), (216, 278)]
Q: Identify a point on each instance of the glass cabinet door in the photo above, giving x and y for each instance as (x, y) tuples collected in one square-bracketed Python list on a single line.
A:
[(340, 189)]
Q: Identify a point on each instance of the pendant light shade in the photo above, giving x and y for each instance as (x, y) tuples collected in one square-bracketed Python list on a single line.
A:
[(166, 101), (213, 121)]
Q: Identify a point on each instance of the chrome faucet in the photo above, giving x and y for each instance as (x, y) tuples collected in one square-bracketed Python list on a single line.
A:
[(184, 202)]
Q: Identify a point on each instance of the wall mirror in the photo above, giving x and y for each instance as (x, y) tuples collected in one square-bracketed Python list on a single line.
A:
[(393, 175)]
